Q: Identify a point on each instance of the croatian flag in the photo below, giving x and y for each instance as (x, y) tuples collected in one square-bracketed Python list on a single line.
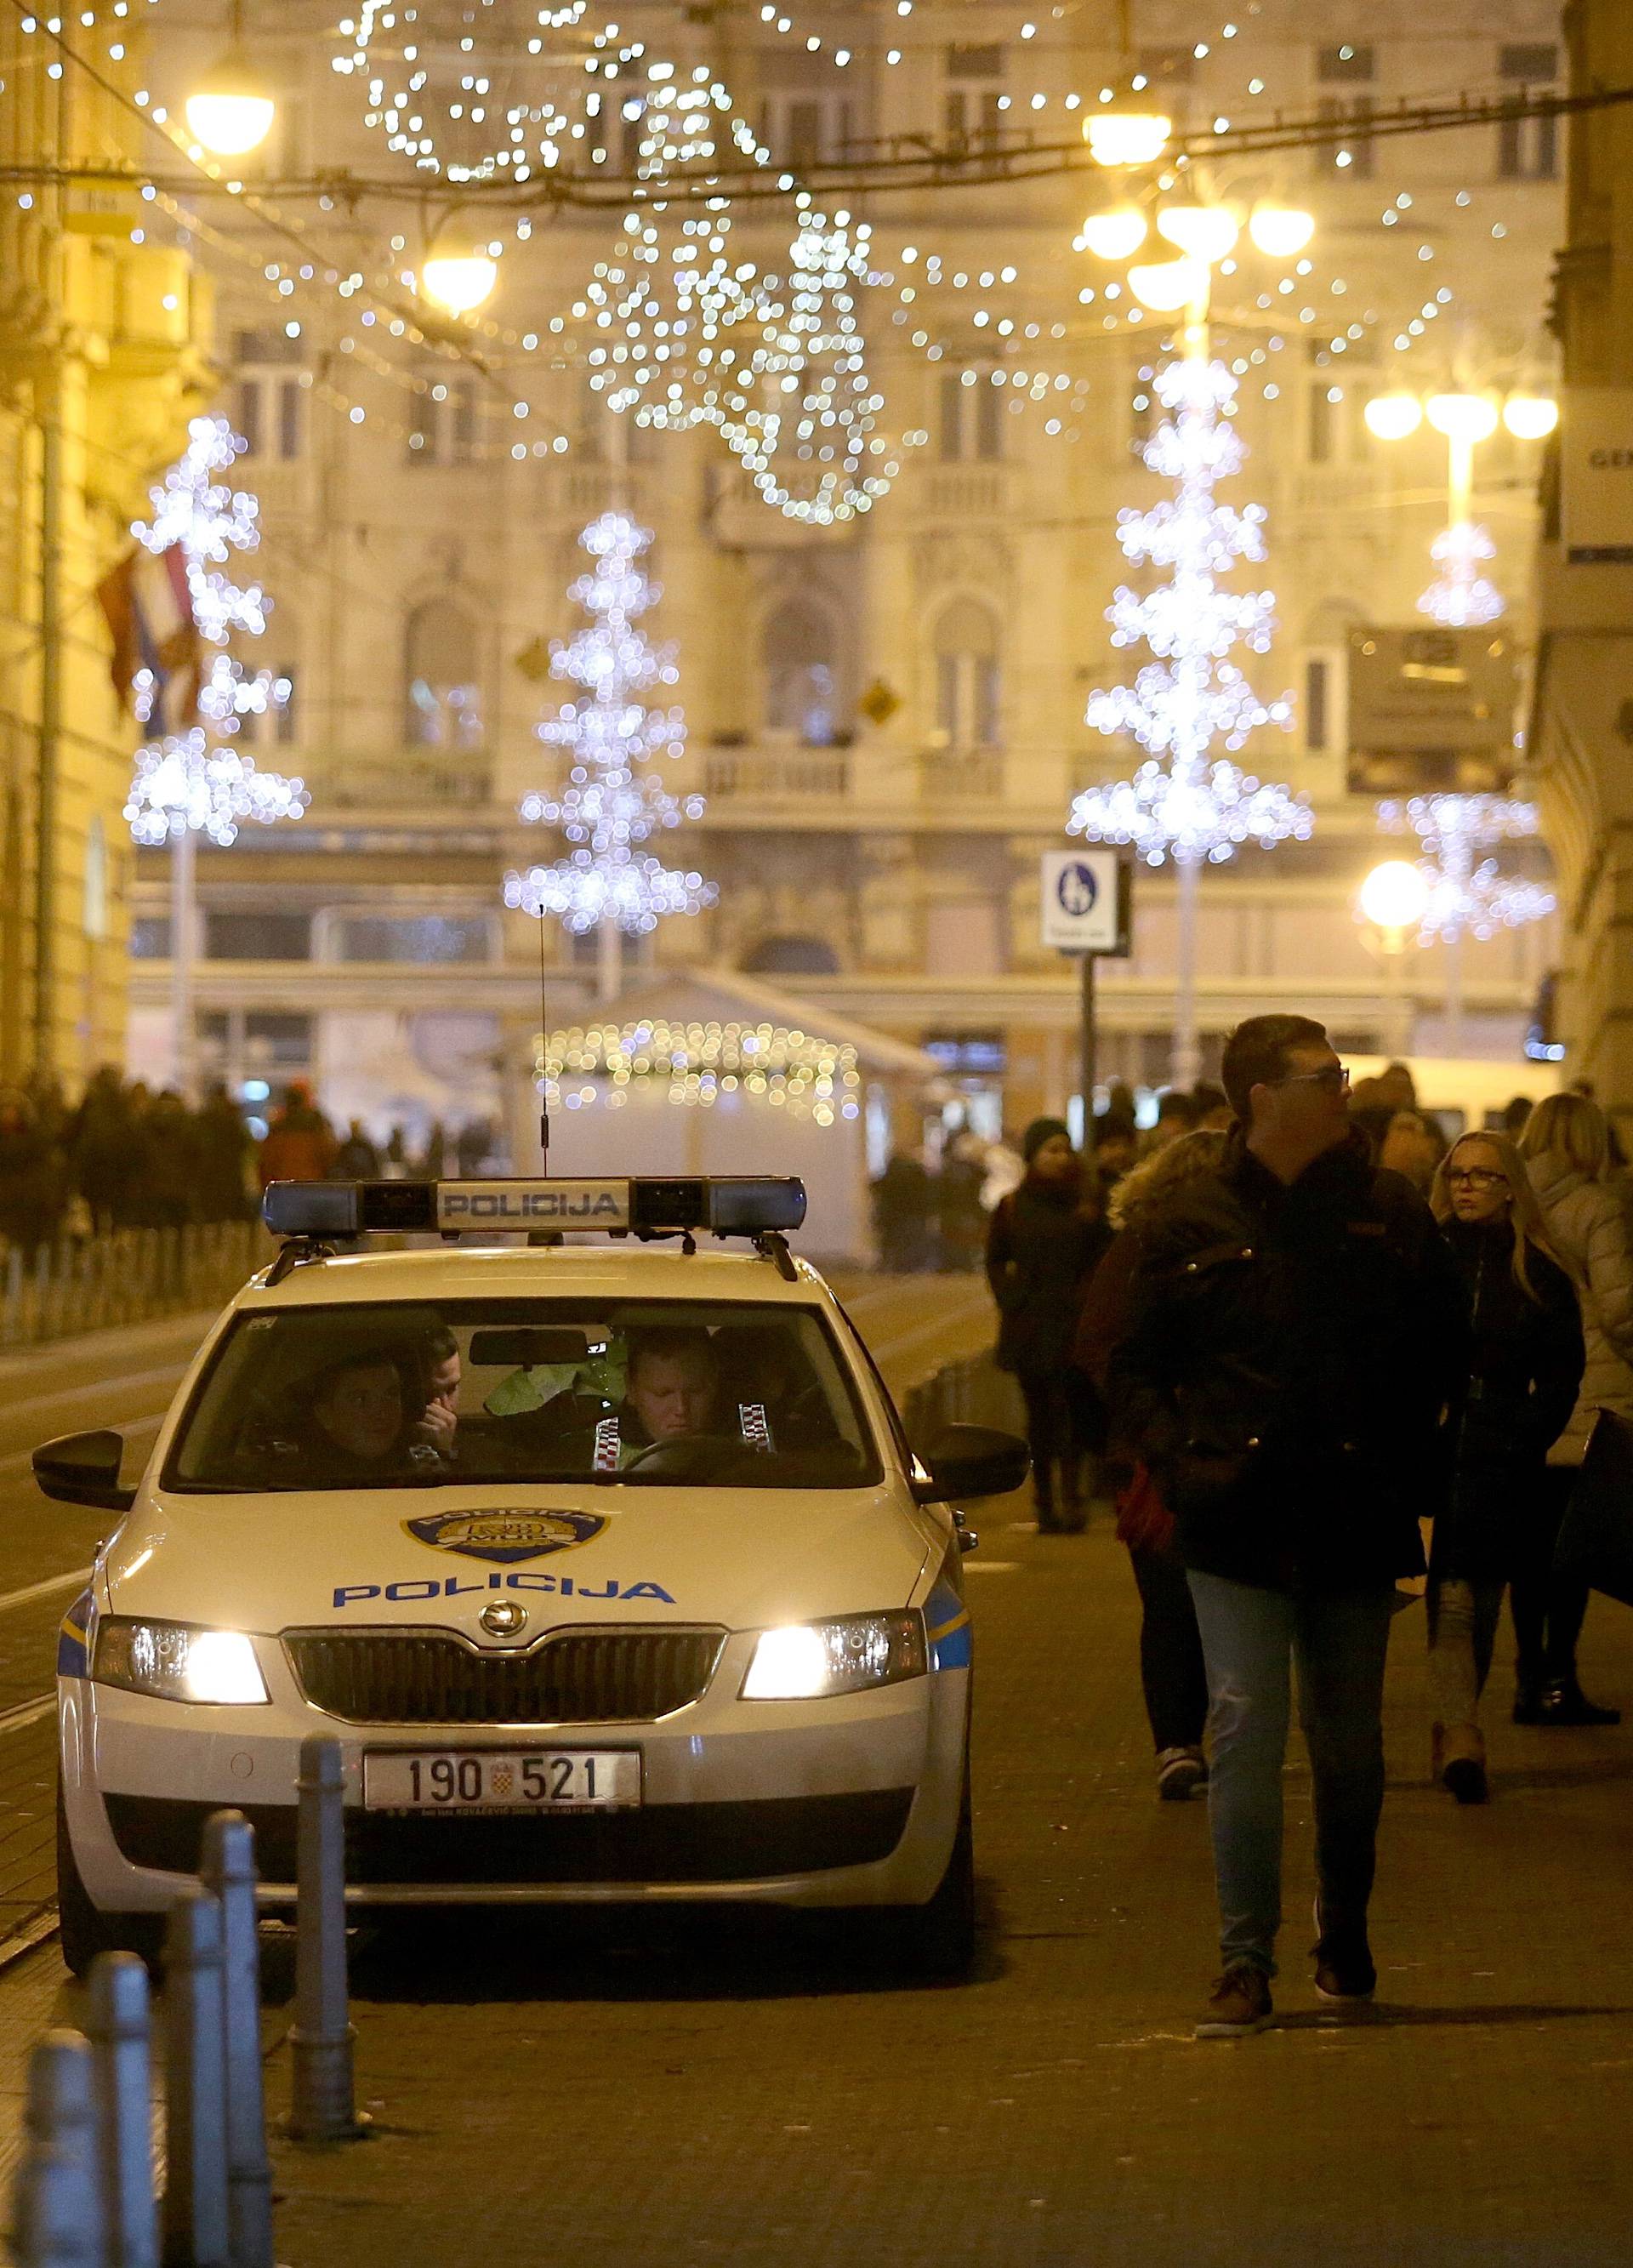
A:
[(155, 662)]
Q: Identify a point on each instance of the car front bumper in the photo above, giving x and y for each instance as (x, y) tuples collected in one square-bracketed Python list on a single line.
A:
[(847, 1801)]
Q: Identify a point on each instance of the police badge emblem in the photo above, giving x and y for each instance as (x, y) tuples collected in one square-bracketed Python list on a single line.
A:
[(505, 1536)]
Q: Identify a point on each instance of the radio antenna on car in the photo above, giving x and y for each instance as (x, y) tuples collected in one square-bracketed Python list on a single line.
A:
[(544, 1068)]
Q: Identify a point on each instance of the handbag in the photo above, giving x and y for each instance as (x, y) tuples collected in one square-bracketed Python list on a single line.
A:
[(1596, 1535)]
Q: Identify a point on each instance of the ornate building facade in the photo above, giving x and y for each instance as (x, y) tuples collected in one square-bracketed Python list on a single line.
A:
[(886, 714)]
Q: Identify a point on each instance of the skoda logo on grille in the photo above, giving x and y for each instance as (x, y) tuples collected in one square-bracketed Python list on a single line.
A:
[(502, 1617)]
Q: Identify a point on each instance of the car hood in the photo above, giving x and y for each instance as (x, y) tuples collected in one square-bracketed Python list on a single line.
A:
[(742, 1557)]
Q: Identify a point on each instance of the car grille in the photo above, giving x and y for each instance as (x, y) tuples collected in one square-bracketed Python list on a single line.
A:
[(589, 1677)]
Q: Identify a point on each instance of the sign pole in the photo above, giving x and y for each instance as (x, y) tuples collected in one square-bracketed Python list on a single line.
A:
[(1086, 1042)]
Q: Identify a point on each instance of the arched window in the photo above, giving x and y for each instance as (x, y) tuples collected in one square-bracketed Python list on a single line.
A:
[(791, 956), (442, 705), (800, 674), (966, 676)]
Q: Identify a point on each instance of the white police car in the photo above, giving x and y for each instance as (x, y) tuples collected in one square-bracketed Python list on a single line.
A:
[(609, 1565)]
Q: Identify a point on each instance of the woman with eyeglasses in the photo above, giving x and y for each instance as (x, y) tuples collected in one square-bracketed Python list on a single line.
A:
[(1524, 1368)]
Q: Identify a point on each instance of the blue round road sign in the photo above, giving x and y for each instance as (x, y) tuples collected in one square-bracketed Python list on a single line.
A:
[(1077, 886)]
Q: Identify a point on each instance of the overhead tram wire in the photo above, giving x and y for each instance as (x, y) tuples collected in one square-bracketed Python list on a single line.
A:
[(928, 167)]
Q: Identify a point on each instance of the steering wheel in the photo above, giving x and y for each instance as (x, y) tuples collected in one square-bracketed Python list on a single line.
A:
[(689, 1457)]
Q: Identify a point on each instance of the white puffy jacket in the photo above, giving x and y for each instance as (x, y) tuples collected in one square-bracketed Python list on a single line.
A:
[(1588, 1228)]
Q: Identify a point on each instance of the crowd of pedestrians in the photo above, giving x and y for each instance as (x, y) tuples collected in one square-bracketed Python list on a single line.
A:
[(126, 1157), (1325, 1364)]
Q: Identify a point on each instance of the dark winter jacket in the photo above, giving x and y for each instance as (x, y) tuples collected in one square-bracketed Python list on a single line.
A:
[(1289, 1355), (1525, 1367), (1042, 1250)]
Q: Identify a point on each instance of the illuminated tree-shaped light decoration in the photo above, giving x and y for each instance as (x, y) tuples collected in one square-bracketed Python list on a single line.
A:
[(194, 781), (1468, 895), (611, 806), (1189, 802), (1461, 597)]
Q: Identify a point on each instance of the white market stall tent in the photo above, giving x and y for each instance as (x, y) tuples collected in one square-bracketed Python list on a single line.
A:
[(714, 1073)]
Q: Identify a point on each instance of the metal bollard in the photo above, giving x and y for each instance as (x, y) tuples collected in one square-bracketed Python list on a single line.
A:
[(56, 2200), (323, 2107), (228, 1870), (119, 2029), (195, 2086)]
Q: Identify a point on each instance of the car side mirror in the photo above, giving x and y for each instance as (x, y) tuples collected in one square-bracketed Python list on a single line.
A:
[(83, 1469), (972, 1460)]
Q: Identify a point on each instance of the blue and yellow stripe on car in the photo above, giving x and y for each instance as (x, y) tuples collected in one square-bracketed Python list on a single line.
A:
[(947, 1630), (73, 1642)]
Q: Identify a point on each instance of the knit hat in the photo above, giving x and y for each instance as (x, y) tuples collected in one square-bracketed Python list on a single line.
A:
[(1040, 1131)]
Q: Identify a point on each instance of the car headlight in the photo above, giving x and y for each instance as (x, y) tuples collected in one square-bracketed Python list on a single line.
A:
[(806, 1661), (174, 1662)]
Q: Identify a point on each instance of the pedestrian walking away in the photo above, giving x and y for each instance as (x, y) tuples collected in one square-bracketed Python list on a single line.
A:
[(1173, 1675), (1524, 1368), (1042, 1245), (1565, 1144), (1297, 1327)]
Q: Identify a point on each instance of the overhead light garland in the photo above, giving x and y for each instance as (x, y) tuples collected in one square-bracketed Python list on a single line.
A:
[(788, 1069), (609, 807), (1468, 893)]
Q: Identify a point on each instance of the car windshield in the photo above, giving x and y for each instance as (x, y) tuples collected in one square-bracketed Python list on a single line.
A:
[(614, 1392)]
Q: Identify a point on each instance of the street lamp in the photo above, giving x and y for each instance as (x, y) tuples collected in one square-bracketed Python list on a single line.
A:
[(1394, 898), (1130, 128), (1461, 597), (458, 272), (231, 110), (1116, 234)]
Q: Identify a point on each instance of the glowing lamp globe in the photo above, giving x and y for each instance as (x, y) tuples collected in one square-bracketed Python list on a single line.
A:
[(1280, 232), (458, 274), (1129, 131), (1395, 896), (1169, 285), (1393, 416), (231, 111), (1115, 235), (1203, 232), (1530, 417), (1462, 416)]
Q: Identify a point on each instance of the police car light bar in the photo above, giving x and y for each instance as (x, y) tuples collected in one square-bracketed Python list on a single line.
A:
[(730, 1205)]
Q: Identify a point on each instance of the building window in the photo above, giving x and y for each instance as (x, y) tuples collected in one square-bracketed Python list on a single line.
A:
[(972, 417), (442, 708), (800, 675), (447, 425), (1354, 70), (150, 937), (257, 936), (268, 411), (94, 921), (791, 956), (967, 677), (1527, 149), (1317, 687), (424, 940), (973, 114), (805, 127)]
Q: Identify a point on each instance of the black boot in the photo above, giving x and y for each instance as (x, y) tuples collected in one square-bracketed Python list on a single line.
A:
[(1565, 1703), (1528, 1706)]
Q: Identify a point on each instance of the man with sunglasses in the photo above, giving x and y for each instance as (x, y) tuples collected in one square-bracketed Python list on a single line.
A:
[(1297, 1329)]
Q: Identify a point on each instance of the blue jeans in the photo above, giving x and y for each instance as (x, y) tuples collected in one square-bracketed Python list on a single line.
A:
[(1340, 1640)]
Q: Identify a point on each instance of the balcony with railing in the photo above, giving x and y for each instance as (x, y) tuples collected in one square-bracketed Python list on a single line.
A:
[(948, 774), (765, 773)]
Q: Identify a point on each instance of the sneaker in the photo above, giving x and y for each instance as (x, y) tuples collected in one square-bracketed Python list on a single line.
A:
[(1345, 1969), (1179, 1773), (1239, 2003)]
